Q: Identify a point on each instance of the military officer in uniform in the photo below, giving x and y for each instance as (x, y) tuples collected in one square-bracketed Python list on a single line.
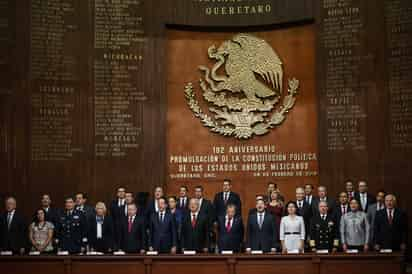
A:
[(323, 230), (71, 229)]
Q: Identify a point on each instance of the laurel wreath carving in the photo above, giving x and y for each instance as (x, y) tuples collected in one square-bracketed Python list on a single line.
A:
[(237, 116)]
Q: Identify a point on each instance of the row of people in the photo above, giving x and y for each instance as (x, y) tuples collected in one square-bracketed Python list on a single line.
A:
[(184, 224)]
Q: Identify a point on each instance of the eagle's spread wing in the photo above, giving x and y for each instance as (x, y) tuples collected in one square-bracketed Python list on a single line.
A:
[(262, 59)]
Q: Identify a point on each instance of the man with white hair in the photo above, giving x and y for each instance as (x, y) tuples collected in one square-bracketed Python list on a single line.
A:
[(195, 229), (303, 208), (391, 226), (13, 229)]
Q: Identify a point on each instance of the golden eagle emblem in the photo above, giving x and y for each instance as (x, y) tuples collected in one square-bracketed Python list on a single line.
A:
[(246, 93)]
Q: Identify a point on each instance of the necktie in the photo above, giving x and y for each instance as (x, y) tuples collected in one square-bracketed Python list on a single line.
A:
[(228, 225), (343, 210), (130, 224), (299, 204), (193, 220), (225, 197), (9, 221), (161, 217), (260, 220), (390, 217)]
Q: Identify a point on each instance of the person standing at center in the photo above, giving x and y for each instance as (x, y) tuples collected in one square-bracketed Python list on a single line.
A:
[(262, 233), (195, 229)]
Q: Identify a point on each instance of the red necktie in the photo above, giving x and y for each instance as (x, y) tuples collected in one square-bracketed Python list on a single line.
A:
[(130, 224), (193, 220), (390, 217), (228, 226)]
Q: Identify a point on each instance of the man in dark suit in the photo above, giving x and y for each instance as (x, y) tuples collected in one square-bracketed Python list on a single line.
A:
[(83, 207), (230, 230), (303, 209), (133, 232), (342, 207), (195, 229), (391, 226), (183, 201), (226, 197), (363, 197), (117, 206), (71, 229), (101, 231), (349, 189), (163, 230), (205, 206), (323, 230), (262, 233), (308, 194), (153, 206), (372, 210), (52, 214), (206, 209), (118, 212), (322, 196), (13, 229)]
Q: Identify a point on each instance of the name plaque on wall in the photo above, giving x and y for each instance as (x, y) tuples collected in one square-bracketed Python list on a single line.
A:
[(119, 43), (238, 12)]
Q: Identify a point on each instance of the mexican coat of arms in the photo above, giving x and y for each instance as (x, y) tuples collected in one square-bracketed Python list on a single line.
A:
[(243, 99)]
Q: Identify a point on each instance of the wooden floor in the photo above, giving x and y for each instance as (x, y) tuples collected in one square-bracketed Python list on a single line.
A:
[(206, 264)]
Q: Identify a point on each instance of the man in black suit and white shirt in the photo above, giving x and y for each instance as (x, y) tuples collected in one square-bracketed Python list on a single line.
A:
[(391, 226), (205, 206), (222, 199), (83, 207), (52, 214), (195, 229), (342, 207), (13, 229), (183, 201), (163, 230), (133, 231), (322, 197), (117, 206), (262, 233), (230, 230), (349, 189), (309, 194), (372, 210), (363, 197), (303, 208), (153, 206)]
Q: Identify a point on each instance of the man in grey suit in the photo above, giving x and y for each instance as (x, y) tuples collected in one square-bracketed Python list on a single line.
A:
[(372, 209)]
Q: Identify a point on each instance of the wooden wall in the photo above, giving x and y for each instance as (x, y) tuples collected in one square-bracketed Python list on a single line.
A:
[(84, 97)]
